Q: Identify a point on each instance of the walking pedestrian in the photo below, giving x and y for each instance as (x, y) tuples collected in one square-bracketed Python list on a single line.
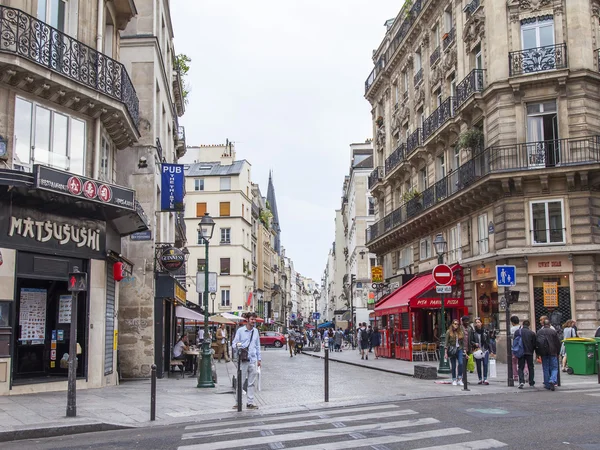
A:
[(455, 351), (221, 344), (337, 340), (528, 338), (514, 322), (481, 350), (364, 341), (247, 337), (568, 332), (370, 332), (376, 340), (548, 347), (292, 342)]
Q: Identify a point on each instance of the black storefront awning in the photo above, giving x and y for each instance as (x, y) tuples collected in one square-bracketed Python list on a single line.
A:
[(57, 192)]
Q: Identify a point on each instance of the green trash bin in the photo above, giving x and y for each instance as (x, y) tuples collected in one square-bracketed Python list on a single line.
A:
[(581, 356)]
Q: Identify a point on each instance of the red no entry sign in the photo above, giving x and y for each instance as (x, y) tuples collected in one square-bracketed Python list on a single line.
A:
[(442, 274)]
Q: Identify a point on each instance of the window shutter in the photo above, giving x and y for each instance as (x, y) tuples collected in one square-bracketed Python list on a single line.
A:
[(200, 209), (224, 209)]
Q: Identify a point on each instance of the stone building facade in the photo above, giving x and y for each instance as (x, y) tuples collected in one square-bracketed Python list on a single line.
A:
[(485, 124)]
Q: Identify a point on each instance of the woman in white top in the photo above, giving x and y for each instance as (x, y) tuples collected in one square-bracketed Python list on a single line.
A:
[(568, 332)]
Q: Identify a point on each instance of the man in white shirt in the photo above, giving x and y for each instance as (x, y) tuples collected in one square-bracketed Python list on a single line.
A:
[(180, 347), (248, 337)]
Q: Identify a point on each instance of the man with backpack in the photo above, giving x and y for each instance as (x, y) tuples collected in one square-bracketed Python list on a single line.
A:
[(524, 342), (548, 346)]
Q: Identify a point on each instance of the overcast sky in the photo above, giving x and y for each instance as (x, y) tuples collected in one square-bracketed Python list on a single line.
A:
[(284, 80)]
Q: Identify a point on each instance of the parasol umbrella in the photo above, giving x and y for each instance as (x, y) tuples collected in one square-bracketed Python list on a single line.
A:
[(232, 317), (217, 318)]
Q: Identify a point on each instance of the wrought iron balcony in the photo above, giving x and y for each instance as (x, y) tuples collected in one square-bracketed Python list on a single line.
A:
[(32, 39), (471, 7), (374, 73), (405, 95), (439, 117), (559, 153), (435, 56), (418, 77), (468, 86), (376, 176), (538, 59), (449, 38), (413, 141), (395, 158)]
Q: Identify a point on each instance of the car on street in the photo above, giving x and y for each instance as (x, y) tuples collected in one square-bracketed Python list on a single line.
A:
[(272, 339)]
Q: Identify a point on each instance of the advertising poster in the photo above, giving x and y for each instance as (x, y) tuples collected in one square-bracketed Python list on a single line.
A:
[(32, 317), (64, 309), (551, 295)]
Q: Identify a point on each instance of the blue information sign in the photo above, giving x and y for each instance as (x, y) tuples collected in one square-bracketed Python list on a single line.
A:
[(172, 187), (316, 316), (506, 276)]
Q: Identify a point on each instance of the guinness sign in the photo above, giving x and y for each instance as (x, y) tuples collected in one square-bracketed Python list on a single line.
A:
[(171, 259)]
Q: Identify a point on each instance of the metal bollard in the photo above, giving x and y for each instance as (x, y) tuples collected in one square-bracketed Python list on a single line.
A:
[(558, 373), (326, 372), (239, 384), (465, 372), (598, 362), (153, 393)]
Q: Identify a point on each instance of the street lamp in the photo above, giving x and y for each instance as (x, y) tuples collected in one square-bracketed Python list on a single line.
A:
[(213, 295), (440, 246), (205, 232)]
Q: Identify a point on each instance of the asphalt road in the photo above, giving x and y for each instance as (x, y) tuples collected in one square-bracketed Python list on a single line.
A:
[(535, 419)]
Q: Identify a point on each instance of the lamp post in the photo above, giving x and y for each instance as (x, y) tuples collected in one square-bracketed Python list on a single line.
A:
[(439, 243), (205, 232), (213, 295), (353, 328)]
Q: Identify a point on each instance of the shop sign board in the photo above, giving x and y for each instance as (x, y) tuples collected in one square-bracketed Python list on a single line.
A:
[(442, 274), (506, 276), (171, 259), (54, 180), (436, 303), (172, 187), (180, 293), (550, 294), (377, 274), (212, 282), (141, 236), (443, 289), (33, 230)]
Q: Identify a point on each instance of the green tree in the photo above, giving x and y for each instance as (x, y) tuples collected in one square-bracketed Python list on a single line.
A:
[(182, 65)]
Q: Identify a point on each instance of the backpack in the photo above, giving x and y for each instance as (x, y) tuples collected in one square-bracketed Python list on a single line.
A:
[(542, 346), (517, 346)]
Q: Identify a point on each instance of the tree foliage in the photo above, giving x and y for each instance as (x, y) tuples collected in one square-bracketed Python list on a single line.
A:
[(182, 65)]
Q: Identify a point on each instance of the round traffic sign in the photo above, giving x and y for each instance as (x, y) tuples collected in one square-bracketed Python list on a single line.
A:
[(442, 274)]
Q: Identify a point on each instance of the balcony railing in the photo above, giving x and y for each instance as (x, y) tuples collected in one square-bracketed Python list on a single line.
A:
[(468, 86), (418, 77), (538, 59), (439, 117), (405, 95), (159, 150), (395, 158), (32, 39), (375, 176), (471, 7), (375, 73), (449, 38), (435, 56), (410, 19), (509, 158), (413, 141)]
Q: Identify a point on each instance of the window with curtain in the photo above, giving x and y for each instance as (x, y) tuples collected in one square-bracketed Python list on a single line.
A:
[(406, 257), (425, 248), (224, 209), (225, 235), (199, 184), (547, 222), (106, 158), (225, 183), (200, 209), (225, 297), (483, 241), (454, 244), (225, 266), (48, 137)]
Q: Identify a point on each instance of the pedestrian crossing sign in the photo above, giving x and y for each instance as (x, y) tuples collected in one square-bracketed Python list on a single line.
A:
[(506, 276)]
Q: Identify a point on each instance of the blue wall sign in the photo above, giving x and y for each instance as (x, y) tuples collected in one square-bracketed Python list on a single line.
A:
[(506, 276), (141, 236), (172, 187)]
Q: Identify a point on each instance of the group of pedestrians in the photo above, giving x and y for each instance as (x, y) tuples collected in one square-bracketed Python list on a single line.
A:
[(368, 338)]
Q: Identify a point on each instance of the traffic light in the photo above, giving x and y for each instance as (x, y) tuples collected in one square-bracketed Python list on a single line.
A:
[(514, 297), (77, 282)]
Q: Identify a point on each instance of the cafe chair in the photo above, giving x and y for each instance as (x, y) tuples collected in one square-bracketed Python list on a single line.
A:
[(418, 351), (432, 352)]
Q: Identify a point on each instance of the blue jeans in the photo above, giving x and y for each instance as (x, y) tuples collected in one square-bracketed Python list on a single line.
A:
[(485, 360), (550, 368), (453, 360)]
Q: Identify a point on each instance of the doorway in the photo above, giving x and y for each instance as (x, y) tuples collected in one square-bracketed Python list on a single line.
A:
[(543, 145)]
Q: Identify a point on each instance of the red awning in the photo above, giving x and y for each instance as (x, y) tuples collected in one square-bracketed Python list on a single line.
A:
[(407, 295)]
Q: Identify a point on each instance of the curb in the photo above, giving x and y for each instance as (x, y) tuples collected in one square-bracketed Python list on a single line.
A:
[(57, 429), (380, 369)]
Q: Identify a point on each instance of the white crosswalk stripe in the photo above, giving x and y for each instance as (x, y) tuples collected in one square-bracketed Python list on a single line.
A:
[(334, 430)]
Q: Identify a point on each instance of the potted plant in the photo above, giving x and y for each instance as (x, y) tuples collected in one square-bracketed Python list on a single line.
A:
[(470, 139), (409, 195), (379, 121)]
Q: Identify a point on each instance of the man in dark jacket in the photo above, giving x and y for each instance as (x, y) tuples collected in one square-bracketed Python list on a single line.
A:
[(528, 338), (548, 346)]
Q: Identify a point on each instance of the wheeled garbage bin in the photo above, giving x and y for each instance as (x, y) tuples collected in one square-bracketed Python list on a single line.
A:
[(581, 356)]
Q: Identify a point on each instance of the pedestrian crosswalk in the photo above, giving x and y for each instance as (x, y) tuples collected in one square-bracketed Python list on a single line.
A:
[(377, 427)]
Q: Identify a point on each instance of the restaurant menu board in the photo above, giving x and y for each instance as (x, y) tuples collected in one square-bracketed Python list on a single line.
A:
[(32, 317), (64, 309)]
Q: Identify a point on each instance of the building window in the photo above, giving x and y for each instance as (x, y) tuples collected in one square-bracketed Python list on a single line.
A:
[(200, 209), (199, 184), (371, 206), (547, 222), (44, 136), (225, 183), (225, 266), (448, 20), (542, 133), (225, 235), (441, 167), (224, 209), (201, 265), (406, 257), (423, 179), (537, 33), (483, 242), (106, 152), (225, 297), (53, 12), (425, 248), (454, 244)]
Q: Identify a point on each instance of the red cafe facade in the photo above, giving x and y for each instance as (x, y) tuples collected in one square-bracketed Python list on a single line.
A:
[(412, 314)]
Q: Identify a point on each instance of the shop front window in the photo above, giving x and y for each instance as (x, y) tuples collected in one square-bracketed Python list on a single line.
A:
[(487, 304), (552, 298)]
